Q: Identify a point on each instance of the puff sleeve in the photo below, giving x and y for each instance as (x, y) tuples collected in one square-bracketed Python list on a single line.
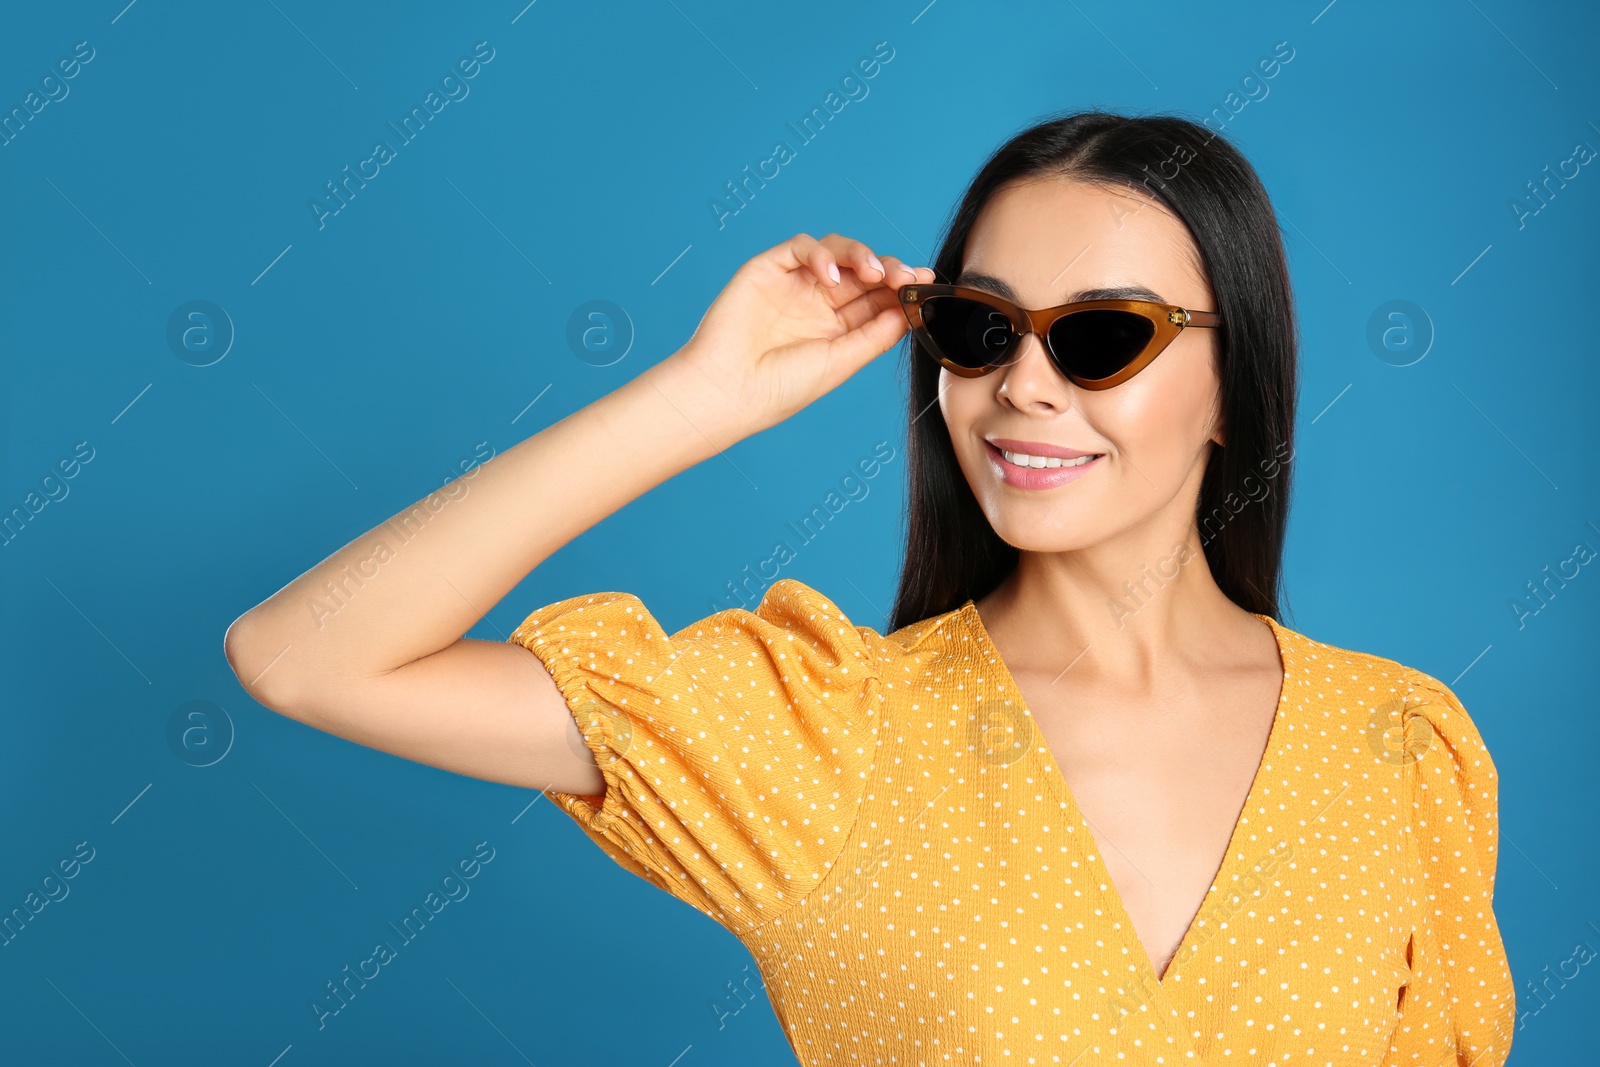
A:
[(735, 752), (1459, 1006)]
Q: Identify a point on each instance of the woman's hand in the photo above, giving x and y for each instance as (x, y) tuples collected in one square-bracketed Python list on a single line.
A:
[(793, 323)]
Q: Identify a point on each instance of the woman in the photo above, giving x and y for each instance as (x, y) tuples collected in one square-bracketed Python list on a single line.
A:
[(1087, 802)]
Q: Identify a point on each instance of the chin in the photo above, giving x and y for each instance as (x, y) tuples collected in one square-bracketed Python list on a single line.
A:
[(1041, 527)]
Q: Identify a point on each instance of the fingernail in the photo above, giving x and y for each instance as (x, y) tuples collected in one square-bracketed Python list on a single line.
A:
[(833, 271), (909, 272), (877, 266)]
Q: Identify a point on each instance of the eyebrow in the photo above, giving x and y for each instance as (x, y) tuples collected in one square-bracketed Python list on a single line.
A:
[(978, 280)]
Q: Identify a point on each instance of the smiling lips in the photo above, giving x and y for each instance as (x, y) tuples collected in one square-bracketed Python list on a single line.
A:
[(1036, 465)]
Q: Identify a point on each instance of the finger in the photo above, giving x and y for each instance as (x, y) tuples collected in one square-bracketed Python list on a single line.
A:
[(858, 257), (857, 268), (823, 263), (851, 351), (865, 270), (899, 273), (897, 276), (803, 252), (863, 308)]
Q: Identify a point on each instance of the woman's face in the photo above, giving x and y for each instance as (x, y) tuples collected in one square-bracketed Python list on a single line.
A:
[(1050, 241)]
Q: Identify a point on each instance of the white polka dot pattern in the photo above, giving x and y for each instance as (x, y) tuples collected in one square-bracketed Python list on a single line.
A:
[(734, 752), (828, 794)]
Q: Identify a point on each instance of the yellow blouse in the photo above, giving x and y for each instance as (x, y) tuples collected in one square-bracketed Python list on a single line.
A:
[(878, 820)]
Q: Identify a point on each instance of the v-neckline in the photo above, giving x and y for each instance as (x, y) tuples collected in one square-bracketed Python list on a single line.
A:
[(1219, 880)]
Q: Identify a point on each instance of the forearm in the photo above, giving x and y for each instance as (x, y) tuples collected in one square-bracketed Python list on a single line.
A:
[(417, 582)]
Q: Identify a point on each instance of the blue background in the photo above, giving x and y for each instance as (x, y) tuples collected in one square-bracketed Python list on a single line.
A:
[(372, 355)]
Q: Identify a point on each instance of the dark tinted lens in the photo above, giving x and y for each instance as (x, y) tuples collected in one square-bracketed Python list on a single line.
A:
[(1096, 344), (968, 333)]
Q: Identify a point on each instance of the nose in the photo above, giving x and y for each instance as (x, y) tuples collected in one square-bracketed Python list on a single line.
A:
[(1031, 380)]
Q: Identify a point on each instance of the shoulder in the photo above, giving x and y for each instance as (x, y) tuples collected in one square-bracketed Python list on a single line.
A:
[(1409, 711), (1336, 664), (799, 607)]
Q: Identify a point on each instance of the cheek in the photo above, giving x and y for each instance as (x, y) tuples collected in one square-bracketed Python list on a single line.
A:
[(1169, 410), (1135, 417), (962, 402)]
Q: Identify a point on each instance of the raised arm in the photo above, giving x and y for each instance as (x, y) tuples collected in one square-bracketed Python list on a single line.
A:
[(391, 670)]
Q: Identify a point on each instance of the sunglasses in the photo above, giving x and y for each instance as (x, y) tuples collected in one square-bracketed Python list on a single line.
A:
[(1096, 343)]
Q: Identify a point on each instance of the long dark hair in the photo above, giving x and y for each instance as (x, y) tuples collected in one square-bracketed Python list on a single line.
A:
[(952, 553)]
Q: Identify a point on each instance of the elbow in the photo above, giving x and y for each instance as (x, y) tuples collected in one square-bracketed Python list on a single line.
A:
[(258, 661)]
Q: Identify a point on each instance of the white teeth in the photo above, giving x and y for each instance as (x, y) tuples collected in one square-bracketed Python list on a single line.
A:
[(1022, 460)]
